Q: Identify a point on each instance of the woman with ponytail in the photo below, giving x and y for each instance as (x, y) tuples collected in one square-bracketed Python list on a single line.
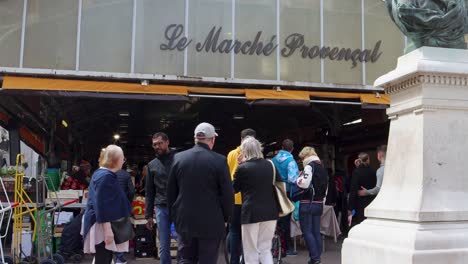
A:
[(363, 176)]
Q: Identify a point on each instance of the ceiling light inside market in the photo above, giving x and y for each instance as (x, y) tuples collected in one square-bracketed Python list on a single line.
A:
[(116, 136), (123, 125), (238, 117), (124, 114), (353, 122), (64, 123)]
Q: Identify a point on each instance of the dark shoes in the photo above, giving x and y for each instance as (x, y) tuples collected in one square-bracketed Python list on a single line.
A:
[(314, 262), (291, 252)]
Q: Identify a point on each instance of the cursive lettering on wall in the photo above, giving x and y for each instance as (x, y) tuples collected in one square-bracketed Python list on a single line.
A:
[(292, 44)]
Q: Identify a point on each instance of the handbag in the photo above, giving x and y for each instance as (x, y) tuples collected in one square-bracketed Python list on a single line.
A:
[(122, 229), (285, 206), (295, 194)]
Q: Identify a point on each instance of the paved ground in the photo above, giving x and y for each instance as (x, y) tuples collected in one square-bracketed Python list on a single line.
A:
[(332, 255)]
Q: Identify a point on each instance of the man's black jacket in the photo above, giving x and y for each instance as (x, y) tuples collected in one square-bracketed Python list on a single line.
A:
[(156, 182), (200, 197)]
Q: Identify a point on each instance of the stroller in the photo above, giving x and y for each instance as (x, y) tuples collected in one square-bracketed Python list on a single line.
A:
[(71, 244)]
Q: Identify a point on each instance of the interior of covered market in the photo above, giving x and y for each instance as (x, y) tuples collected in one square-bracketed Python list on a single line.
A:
[(75, 126)]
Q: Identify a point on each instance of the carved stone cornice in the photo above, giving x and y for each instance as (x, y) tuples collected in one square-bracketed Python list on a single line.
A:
[(421, 108), (440, 79)]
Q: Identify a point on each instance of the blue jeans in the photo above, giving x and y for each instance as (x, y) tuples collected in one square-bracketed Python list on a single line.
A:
[(309, 218), (119, 255), (163, 221), (235, 235)]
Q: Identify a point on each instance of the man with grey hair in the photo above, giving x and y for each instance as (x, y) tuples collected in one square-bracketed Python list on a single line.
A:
[(200, 198)]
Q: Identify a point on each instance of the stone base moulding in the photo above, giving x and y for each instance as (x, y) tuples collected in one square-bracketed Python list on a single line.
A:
[(386, 241), (421, 213)]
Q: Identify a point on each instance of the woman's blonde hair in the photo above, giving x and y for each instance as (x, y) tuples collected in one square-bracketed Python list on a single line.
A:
[(307, 152), (251, 148), (362, 160), (110, 156)]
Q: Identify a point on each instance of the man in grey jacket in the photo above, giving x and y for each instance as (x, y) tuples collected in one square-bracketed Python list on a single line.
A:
[(381, 152), (156, 189)]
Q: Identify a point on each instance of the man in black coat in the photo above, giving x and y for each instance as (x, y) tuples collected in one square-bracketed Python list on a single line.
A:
[(200, 198)]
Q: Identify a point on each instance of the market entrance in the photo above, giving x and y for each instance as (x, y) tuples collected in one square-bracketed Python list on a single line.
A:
[(83, 125)]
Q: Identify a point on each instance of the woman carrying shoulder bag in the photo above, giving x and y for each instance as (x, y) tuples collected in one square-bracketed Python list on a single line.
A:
[(107, 206), (254, 179)]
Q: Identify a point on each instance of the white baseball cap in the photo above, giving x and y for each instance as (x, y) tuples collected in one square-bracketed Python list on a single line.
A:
[(205, 130)]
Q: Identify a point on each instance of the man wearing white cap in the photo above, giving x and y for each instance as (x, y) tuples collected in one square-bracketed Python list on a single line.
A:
[(200, 198)]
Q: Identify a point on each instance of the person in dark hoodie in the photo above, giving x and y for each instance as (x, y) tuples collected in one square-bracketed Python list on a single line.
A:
[(125, 181), (156, 189), (363, 176)]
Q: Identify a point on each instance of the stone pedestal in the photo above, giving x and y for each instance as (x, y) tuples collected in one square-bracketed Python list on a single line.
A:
[(421, 213)]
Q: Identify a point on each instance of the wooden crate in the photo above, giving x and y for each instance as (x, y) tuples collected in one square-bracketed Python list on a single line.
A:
[(139, 217), (26, 226), (65, 194), (173, 247)]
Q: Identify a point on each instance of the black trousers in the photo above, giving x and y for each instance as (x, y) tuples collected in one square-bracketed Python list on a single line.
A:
[(284, 223), (198, 250), (235, 234), (103, 256)]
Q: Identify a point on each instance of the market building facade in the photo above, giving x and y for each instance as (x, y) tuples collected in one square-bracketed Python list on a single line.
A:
[(260, 57)]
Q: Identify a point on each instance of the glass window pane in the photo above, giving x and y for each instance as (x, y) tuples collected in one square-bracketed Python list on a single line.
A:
[(204, 16), (106, 35), (303, 17), (4, 147), (50, 40), (253, 16), (392, 40), (342, 28), (153, 17), (32, 159), (11, 14)]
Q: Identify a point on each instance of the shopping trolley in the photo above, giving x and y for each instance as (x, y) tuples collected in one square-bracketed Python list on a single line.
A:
[(44, 237), (39, 213), (6, 212), (25, 207)]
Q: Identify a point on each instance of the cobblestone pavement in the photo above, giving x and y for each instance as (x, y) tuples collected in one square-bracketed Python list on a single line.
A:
[(332, 255)]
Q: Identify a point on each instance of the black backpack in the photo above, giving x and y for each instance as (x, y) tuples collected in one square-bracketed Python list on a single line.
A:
[(318, 186), (319, 182)]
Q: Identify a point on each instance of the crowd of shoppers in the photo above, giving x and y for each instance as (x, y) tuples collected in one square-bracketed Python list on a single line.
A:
[(201, 191)]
